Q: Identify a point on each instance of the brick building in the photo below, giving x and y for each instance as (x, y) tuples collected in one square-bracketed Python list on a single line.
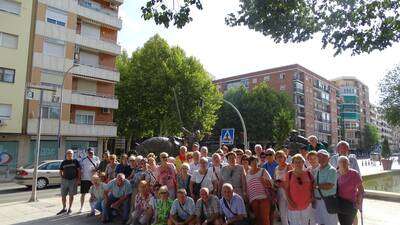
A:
[(314, 97)]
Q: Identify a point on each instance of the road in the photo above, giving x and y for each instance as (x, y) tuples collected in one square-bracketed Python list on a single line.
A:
[(10, 192)]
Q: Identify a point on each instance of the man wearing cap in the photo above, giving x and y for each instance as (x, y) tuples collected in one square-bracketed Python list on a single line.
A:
[(343, 148), (326, 179), (89, 166), (70, 172)]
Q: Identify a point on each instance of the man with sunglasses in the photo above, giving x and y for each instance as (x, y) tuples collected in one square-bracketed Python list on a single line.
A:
[(270, 164)]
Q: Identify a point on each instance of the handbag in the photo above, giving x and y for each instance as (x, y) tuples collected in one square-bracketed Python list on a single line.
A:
[(197, 186), (331, 202), (346, 207)]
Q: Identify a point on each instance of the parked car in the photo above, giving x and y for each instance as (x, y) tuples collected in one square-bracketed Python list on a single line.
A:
[(48, 174)]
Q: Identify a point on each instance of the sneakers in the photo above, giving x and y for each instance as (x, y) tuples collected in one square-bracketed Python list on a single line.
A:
[(80, 210), (69, 211), (61, 212)]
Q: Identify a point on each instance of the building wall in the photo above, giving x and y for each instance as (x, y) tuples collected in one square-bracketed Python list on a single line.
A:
[(282, 79), (16, 59)]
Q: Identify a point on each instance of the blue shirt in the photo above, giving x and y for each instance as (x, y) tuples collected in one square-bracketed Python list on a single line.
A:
[(236, 204), (118, 192), (326, 175), (352, 160), (184, 211), (270, 167)]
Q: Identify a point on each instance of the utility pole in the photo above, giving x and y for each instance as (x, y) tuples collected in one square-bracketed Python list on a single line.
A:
[(246, 144), (33, 197)]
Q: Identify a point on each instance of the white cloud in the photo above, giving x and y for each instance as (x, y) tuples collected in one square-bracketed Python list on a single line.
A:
[(227, 51)]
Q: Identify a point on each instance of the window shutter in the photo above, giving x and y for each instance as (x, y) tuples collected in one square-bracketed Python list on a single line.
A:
[(10, 6)]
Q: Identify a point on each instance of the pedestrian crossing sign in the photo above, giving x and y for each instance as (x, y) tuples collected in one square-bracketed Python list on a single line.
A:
[(227, 136)]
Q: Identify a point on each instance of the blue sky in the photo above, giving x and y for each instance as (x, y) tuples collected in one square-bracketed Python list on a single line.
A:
[(226, 51)]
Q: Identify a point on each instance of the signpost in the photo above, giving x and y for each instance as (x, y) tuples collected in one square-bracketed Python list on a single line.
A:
[(227, 136)]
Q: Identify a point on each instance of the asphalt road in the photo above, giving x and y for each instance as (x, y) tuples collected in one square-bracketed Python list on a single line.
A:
[(10, 192)]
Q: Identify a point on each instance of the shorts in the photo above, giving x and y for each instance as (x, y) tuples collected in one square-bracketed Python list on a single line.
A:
[(68, 187), (85, 186)]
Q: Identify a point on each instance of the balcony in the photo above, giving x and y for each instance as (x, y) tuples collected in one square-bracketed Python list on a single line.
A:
[(102, 44), (51, 62), (101, 15), (85, 98), (298, 90), (50, 126), (99, 72)]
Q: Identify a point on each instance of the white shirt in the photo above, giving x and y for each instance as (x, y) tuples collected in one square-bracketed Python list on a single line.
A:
[(193, 167), (208, 179), (87, 167)]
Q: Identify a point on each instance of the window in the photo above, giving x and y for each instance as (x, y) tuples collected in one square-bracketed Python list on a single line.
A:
[(89, 30), (5, 111), (8, 40), (254, 80), (51, 78), (56, 16), (50, 112), (89, 59), (54, 48), (7, 75), (53, 166), (84, 117), (10, 6), (282, 87), (282, 76), (267, 78)]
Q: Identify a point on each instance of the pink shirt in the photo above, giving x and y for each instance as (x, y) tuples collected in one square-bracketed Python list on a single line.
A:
[(348, 185), (300, 190), (167, 176)]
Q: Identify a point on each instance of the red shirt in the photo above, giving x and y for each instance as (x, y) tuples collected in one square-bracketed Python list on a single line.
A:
[(300, 190)]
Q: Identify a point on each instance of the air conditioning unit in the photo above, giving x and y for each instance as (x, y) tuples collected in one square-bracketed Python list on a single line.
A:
[(105, 110)]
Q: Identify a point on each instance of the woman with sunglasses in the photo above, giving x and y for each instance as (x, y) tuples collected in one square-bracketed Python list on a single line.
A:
[(167, 175), (299, 193), (162, 207)]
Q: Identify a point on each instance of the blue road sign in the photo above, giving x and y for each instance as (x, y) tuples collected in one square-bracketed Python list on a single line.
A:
[(227, 136)]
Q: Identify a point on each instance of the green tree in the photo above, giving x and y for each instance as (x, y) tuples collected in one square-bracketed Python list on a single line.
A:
[(389, 88), (147, 105), (386, 152), (370, 136), (269, 115), (356, 25)]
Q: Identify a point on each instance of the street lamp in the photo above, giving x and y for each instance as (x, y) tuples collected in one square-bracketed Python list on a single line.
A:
[(60, 107), (246, 144), (39, 130)]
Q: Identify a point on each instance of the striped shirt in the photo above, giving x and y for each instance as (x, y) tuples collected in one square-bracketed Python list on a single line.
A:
[(255, 187)]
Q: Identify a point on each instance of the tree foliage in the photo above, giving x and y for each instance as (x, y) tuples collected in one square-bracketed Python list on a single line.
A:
[(355, 25), (386, 152), (268, 115), (389, 88), (146, 92), (370, 136)]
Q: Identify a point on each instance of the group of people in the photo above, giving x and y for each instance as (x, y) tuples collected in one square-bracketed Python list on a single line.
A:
[(231, 186)]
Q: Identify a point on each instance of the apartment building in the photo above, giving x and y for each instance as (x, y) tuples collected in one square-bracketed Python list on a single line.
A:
[(75, 42), (15, 29), (354, 109), (384, 129), (314, 97), (69, 46)]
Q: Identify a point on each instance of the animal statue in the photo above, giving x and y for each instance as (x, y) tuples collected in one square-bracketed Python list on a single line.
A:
[(157, 145)]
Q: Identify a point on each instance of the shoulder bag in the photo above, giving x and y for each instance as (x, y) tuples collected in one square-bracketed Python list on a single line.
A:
[(331, 202), (197, 186)]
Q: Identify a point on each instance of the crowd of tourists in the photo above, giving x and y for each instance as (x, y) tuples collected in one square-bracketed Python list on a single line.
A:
[(231, 186)]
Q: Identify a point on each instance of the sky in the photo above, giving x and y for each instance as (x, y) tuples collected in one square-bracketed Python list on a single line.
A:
[(225, 51)]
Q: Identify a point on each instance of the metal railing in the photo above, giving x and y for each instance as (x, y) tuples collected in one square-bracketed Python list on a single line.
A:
[(99, 66), (101, 10), (96, 123), (94, 94)]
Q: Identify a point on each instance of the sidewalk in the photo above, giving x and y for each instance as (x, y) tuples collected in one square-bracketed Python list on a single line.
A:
[(44, 213)]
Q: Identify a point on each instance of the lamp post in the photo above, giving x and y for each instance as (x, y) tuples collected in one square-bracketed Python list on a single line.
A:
[(33, 197), (246, 144), (60, 107)]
